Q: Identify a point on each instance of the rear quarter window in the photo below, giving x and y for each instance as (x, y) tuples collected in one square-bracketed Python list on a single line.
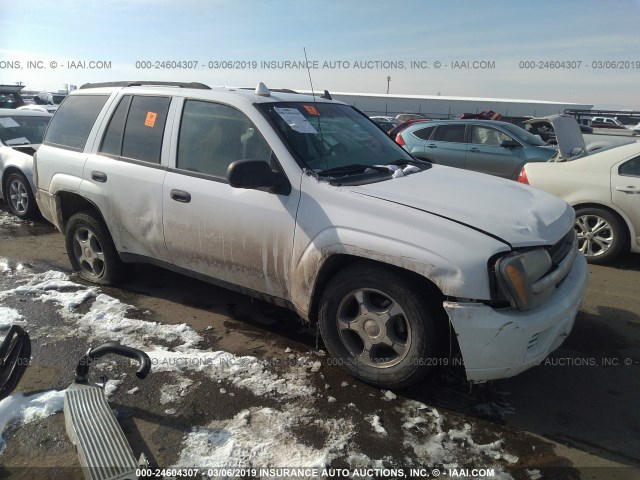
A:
[(424, 133), (630, 168), (72, 122)]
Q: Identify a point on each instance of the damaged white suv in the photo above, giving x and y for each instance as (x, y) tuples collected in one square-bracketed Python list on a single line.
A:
[(304, 202)]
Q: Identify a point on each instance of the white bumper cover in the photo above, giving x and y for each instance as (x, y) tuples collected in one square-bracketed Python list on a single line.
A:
[(502, 343)]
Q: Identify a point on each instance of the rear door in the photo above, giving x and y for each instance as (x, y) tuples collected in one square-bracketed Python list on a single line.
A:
[(124, 176), (484, 153), (625, 191), (447, 145), (416, 141), (238, 236)]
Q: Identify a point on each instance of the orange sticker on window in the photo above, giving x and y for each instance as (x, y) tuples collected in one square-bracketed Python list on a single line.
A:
[(150, 121), (311, 109)]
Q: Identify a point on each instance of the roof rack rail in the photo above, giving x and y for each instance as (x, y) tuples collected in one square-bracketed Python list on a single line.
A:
[(279, 90), (196, 85)]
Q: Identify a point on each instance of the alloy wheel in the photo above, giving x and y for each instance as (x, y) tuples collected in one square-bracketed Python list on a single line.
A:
[(374, 328)]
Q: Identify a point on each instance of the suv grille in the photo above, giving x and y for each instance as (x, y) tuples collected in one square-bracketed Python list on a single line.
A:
[(562, 248)]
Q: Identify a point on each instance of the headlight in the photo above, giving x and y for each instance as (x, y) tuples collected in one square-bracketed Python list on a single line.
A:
[(517, 272)]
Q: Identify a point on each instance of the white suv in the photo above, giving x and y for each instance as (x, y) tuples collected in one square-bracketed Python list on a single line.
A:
[(304, 202)]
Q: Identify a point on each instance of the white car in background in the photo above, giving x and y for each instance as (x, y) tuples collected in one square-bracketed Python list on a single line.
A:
[(21, 132), (604, 190)]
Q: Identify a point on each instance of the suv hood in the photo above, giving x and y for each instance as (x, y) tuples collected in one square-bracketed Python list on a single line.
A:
[(513, 213), (568, 134)]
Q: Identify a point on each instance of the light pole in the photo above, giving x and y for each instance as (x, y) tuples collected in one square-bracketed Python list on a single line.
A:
[(388, 81)]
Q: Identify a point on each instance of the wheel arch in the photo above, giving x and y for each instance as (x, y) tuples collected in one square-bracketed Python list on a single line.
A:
[(447, 346), (337, 262), (70, 203)]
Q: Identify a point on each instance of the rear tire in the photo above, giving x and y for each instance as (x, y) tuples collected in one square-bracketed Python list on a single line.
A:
[(378, 327), (601, 235), (19, 196), (91, 250)]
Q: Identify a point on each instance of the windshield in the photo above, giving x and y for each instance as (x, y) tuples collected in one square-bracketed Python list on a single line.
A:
[(523, 135), (326, 136), (22, 129)]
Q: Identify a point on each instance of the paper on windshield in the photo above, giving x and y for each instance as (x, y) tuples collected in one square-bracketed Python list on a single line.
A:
[(295, 120), (8, 122)]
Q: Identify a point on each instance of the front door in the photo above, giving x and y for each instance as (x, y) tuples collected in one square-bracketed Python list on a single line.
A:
[(484, 153), (243, 237)]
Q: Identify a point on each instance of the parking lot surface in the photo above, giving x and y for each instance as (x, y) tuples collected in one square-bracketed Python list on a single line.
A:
[(238, 382)]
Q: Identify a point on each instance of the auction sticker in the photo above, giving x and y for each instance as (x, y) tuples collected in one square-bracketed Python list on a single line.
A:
[(295, 120)]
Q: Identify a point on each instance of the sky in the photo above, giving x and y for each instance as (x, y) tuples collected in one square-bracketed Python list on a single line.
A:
[(582, 51)]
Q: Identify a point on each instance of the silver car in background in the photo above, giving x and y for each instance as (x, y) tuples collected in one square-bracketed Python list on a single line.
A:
[(487, 146)]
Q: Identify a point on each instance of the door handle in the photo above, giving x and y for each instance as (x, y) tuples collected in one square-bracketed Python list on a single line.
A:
[(99, 177), (474, 149), (630, 189), (180, 196), (432, 146)]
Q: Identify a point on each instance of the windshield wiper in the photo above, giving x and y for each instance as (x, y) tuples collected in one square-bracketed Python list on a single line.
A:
[(353, 168), (418, 162)]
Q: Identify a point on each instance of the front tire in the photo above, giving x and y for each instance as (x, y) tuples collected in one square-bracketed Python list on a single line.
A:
[(91, 250), (378, 326), (601, 235), (19, 196)]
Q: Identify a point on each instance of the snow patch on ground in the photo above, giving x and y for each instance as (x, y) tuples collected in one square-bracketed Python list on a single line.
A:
[(432, 444), (374, 420), (263, 438), (171, 393), (107, 320), (10, 316), (53, 286), (18, 409), (9, 220), (389, 395)]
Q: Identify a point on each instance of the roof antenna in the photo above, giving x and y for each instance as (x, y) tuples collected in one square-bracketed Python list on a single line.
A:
[(315, 104), (304, 49)]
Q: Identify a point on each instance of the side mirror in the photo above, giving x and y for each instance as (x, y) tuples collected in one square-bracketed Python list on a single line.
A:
[(510, 144), (257, 175)]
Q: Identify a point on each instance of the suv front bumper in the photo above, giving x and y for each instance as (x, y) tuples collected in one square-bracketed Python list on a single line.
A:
[(502, 343)]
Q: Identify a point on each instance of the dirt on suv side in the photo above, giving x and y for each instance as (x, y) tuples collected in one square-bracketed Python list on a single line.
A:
[(303, 201)]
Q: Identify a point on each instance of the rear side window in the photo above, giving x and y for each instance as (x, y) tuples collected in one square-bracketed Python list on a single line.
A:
[(112, 141), (144, 128), (488, 136), (136, 128), (449, 133), (70, 126)]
